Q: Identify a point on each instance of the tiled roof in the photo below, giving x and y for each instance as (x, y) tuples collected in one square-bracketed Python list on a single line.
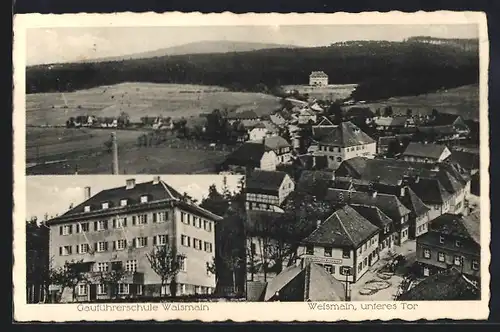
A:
[(458, 226), (158, 192), (448, 285), (397, 121), (309, 178), (276, 142), (414, 203), (467, 160), (432, 151), (344, 228), (267, 182), (373, 214), (389, 204), (345, 135), (113, 196), (321, 285), (430, 191), (443, 119), (248, 154)]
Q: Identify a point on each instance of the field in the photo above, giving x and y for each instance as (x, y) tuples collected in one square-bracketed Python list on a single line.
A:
[(463, 101), (330, 92), (67, 151), (49, 144), (141, 99)]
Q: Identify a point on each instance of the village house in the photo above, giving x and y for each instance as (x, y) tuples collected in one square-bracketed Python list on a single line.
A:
[(444, 127), (452, 240), (392, 124), (426, 153), (304, 282), (306, 116), (345, 244), (343, 143), (281, 148), (447, 285), (117, 227), (267, 190), (390, 205), (248, 117), (378, 218), (318, 78), (443, 187), (250, 156), (280, 118), (261, 130)]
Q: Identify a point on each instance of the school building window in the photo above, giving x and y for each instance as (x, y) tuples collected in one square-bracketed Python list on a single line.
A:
[(441, 257), (346, 253), (131, 265), (82, 290), (102, 289), (141, 242), (427, 253), (123, 288), (328, 252)]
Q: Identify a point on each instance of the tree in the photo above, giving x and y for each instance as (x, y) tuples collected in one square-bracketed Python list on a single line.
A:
[(212, 269), (388, 111), (377, 112), (434, 113), (409, 112), (69, 276), (37, 260), (335, 113), (123, 120), (112, 278), (166, 263)]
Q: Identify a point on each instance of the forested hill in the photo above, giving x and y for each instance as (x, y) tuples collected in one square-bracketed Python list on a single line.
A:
[(381, 68)]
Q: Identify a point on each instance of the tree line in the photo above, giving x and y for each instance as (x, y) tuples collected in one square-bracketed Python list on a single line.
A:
[(430, 66)]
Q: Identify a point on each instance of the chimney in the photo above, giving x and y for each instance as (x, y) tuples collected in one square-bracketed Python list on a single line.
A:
[(318, 223), (417, 178), (130, 184), (156, 180), (374, 194), (115, 153), (87, 193), (402, 193)]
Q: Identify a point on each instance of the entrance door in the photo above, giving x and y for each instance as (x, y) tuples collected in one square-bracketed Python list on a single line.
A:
[(92, 292)]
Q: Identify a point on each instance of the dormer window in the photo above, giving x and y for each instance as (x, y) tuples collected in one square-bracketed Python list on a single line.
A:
[(123, 202), (144, 198), (86, 208), (105, 205)]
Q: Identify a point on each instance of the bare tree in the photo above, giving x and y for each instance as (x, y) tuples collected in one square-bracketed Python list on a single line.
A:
[(166, 263)]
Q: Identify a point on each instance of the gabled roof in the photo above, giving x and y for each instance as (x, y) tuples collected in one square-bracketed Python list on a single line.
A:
[(276, 142), (344, 228), (345, 135), (443, 119), (267, 182), (389, 204), (414, 203), (396, 121), (457, 226), (449, 285), (431, 151), (430, 191), (248, 154), (467, 160), (373, 214)]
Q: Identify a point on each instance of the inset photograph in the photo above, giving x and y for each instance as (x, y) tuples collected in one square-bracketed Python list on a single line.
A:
[(117, 238)]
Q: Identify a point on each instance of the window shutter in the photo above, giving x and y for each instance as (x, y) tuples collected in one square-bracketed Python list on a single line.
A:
[(145, 218), (145, 241), (60, 251), (114, 245), (60, 230), (154, 240), (134, 220), (134, 243), (77, 248), (106, 245), (70, 229), (70, 249), (95, 225), (124, 222), (155, 216), (105, 224), (77, 226), (95, 246), (114, 223)]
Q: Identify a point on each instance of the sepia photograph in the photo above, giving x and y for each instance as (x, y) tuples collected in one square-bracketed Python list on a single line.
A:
[(276, 159)]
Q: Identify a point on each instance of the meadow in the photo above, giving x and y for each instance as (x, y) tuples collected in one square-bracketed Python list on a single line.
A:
[(139, 100), (462, 101)]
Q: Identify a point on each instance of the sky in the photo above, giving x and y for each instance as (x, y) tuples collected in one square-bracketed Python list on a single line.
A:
[(57, 45), (54, 194)]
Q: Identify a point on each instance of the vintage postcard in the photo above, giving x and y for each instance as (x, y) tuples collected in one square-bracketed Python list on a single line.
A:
[(251, 167)]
